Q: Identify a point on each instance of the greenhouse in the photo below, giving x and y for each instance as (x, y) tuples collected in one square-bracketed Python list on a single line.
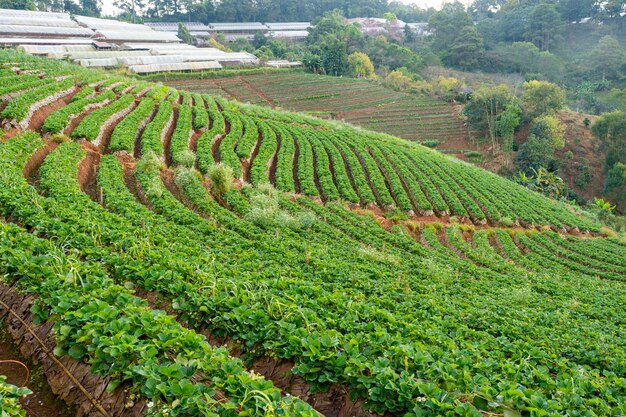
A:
[(183, 66)]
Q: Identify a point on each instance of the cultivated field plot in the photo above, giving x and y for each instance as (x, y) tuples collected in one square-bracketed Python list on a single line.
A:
[(356, 101), (289, 294)]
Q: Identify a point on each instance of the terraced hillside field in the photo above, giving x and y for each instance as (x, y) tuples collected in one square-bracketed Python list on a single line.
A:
[(359, 102), (290, 294)]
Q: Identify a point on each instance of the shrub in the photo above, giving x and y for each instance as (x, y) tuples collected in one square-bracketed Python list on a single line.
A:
[(569, 155), (473, 154), (221, 177), (431, 143), (186, 158)]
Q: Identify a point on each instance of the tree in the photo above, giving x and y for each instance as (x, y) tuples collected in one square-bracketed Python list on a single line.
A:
[(446, 25), (184, 35), (18, 4), (90, 8), (549, 128), (506, 124), (467, 49), (607, 57), (542, 97), (333, 54), (485, 108), (130, 7), (534, 154), (360, 66), (545, 26), (610, 129), (409, 36), (575, 10), (398, 81), (330, 23), (390, 17), (312, 62)]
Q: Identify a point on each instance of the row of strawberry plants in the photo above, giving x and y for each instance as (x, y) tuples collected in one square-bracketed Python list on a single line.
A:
[(20, 82), (227, 146), (259, 171), (322, 168), (576, 261), (285, 158), (18, 107), (249, 137), (179, 145), (200, 114), (125, 133), (59, 120), (420, 182), (397, 189), (90, 126), (355, 171), (600, 248), (458, 198), (423, 169), (152, 136), (420, 185), (204, 151), (305, 166), (373, 173), (340, 173)]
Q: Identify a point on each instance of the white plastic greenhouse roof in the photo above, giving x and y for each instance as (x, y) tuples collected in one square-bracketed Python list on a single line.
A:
[(236, 27), (183, 66), (152, 59), (161, 46), (281, 63), (21, 21), (28, 14), (54, 49), (166, 50), (43, 31), (45, 41), (173, 27), (97, 24), (289, 34), (289, 26), (104, 62), (141, 35), (104, 54)]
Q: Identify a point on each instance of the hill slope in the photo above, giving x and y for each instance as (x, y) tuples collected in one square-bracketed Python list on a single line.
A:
[(359, 102), (414, 318)]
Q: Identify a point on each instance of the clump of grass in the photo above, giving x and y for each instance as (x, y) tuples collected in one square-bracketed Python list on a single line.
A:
[(265, 211), (221, 177), (186, 158), (59, 138)]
